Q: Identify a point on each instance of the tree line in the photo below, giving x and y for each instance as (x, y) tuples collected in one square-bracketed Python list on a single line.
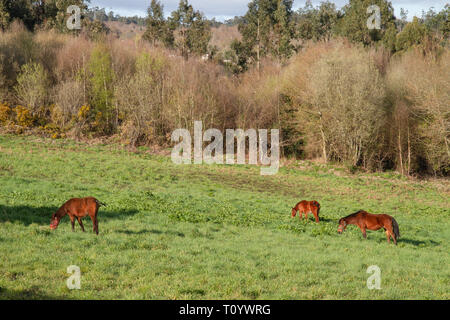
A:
[(269, 27), (339, 92), (272, 28)]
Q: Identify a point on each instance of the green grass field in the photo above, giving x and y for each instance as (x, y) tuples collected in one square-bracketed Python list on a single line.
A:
[(210, 232)]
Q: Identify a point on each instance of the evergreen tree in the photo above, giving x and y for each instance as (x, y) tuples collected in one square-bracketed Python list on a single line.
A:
[(317, 23), (267, 28), (193, 28), (48, 13), (158, 29), (353, 25), (413, 34), (390, 38), (283, 30), (401, 23), (305, 21), (4, 16), (237, 57), (256, 26), (327, 18), (23, 10), (95, 30), (438, 22)]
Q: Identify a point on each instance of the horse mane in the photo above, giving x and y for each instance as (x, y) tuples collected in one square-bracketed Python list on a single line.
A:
[(60, 212), (354, 214)]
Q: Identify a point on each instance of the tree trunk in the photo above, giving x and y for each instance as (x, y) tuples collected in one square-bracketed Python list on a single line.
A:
[(400, 151), (322, 133), (409, 153), (258, 48)]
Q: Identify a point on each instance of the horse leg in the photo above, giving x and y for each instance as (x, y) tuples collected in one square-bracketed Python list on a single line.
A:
[(390, 233), (363, 230), (316, 216), (94, 223), (306, 214), (96, 220), (72, 221), (81, 224), (393, 237)]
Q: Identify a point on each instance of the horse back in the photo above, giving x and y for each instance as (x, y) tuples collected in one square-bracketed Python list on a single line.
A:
[(385, 219), (377, 221), (81, 207), (308, 205)]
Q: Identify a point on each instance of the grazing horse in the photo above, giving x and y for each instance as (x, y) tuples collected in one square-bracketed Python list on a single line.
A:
[(306, 207), (365, 220), (78, 208)]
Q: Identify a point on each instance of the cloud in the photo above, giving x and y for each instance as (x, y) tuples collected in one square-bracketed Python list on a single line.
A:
[(209, 8), (224, 9)]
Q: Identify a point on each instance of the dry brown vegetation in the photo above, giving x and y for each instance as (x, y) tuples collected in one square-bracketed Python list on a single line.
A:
[(125, 31), (224, 35), (221, 36), (333, 101)]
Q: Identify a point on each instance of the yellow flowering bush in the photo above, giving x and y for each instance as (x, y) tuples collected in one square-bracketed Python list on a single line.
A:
[(52, 130), (83, 113), (24, 117), (5, 112)]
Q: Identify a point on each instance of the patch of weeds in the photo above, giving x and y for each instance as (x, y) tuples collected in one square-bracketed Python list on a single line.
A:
[(192, 291)]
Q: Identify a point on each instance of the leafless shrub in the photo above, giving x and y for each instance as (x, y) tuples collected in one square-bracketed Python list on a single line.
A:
[(68, 99), (33, 88), (420, 85), (340, 100)]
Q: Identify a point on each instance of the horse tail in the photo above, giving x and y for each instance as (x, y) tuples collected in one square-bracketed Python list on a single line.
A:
[(395, 228), (100, 204)]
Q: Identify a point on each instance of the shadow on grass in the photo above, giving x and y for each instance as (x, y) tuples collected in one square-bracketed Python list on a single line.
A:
[(33, 293), (153, 231), (41, 215), (321, 220), (329, 220), (419, 243)]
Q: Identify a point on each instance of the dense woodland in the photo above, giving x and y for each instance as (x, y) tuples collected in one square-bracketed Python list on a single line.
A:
[(338, 92)]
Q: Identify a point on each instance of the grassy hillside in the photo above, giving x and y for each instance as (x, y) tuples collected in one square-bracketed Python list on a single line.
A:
[(210, 232)]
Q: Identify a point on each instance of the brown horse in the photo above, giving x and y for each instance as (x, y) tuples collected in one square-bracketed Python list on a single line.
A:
[(306, 207), (78, 208), (365, 220)]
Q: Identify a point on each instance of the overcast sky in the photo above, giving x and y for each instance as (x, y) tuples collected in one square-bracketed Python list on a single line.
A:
[(225, 9)]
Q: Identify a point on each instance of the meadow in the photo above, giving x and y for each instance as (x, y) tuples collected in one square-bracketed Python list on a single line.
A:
[(210, 231)]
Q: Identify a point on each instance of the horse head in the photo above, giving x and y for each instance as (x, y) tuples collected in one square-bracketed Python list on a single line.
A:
[(54, 222), (294, 212), (342, 225)]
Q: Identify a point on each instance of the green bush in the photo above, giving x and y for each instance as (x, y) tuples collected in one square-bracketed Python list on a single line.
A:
[(33, 88), (102, 90)]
